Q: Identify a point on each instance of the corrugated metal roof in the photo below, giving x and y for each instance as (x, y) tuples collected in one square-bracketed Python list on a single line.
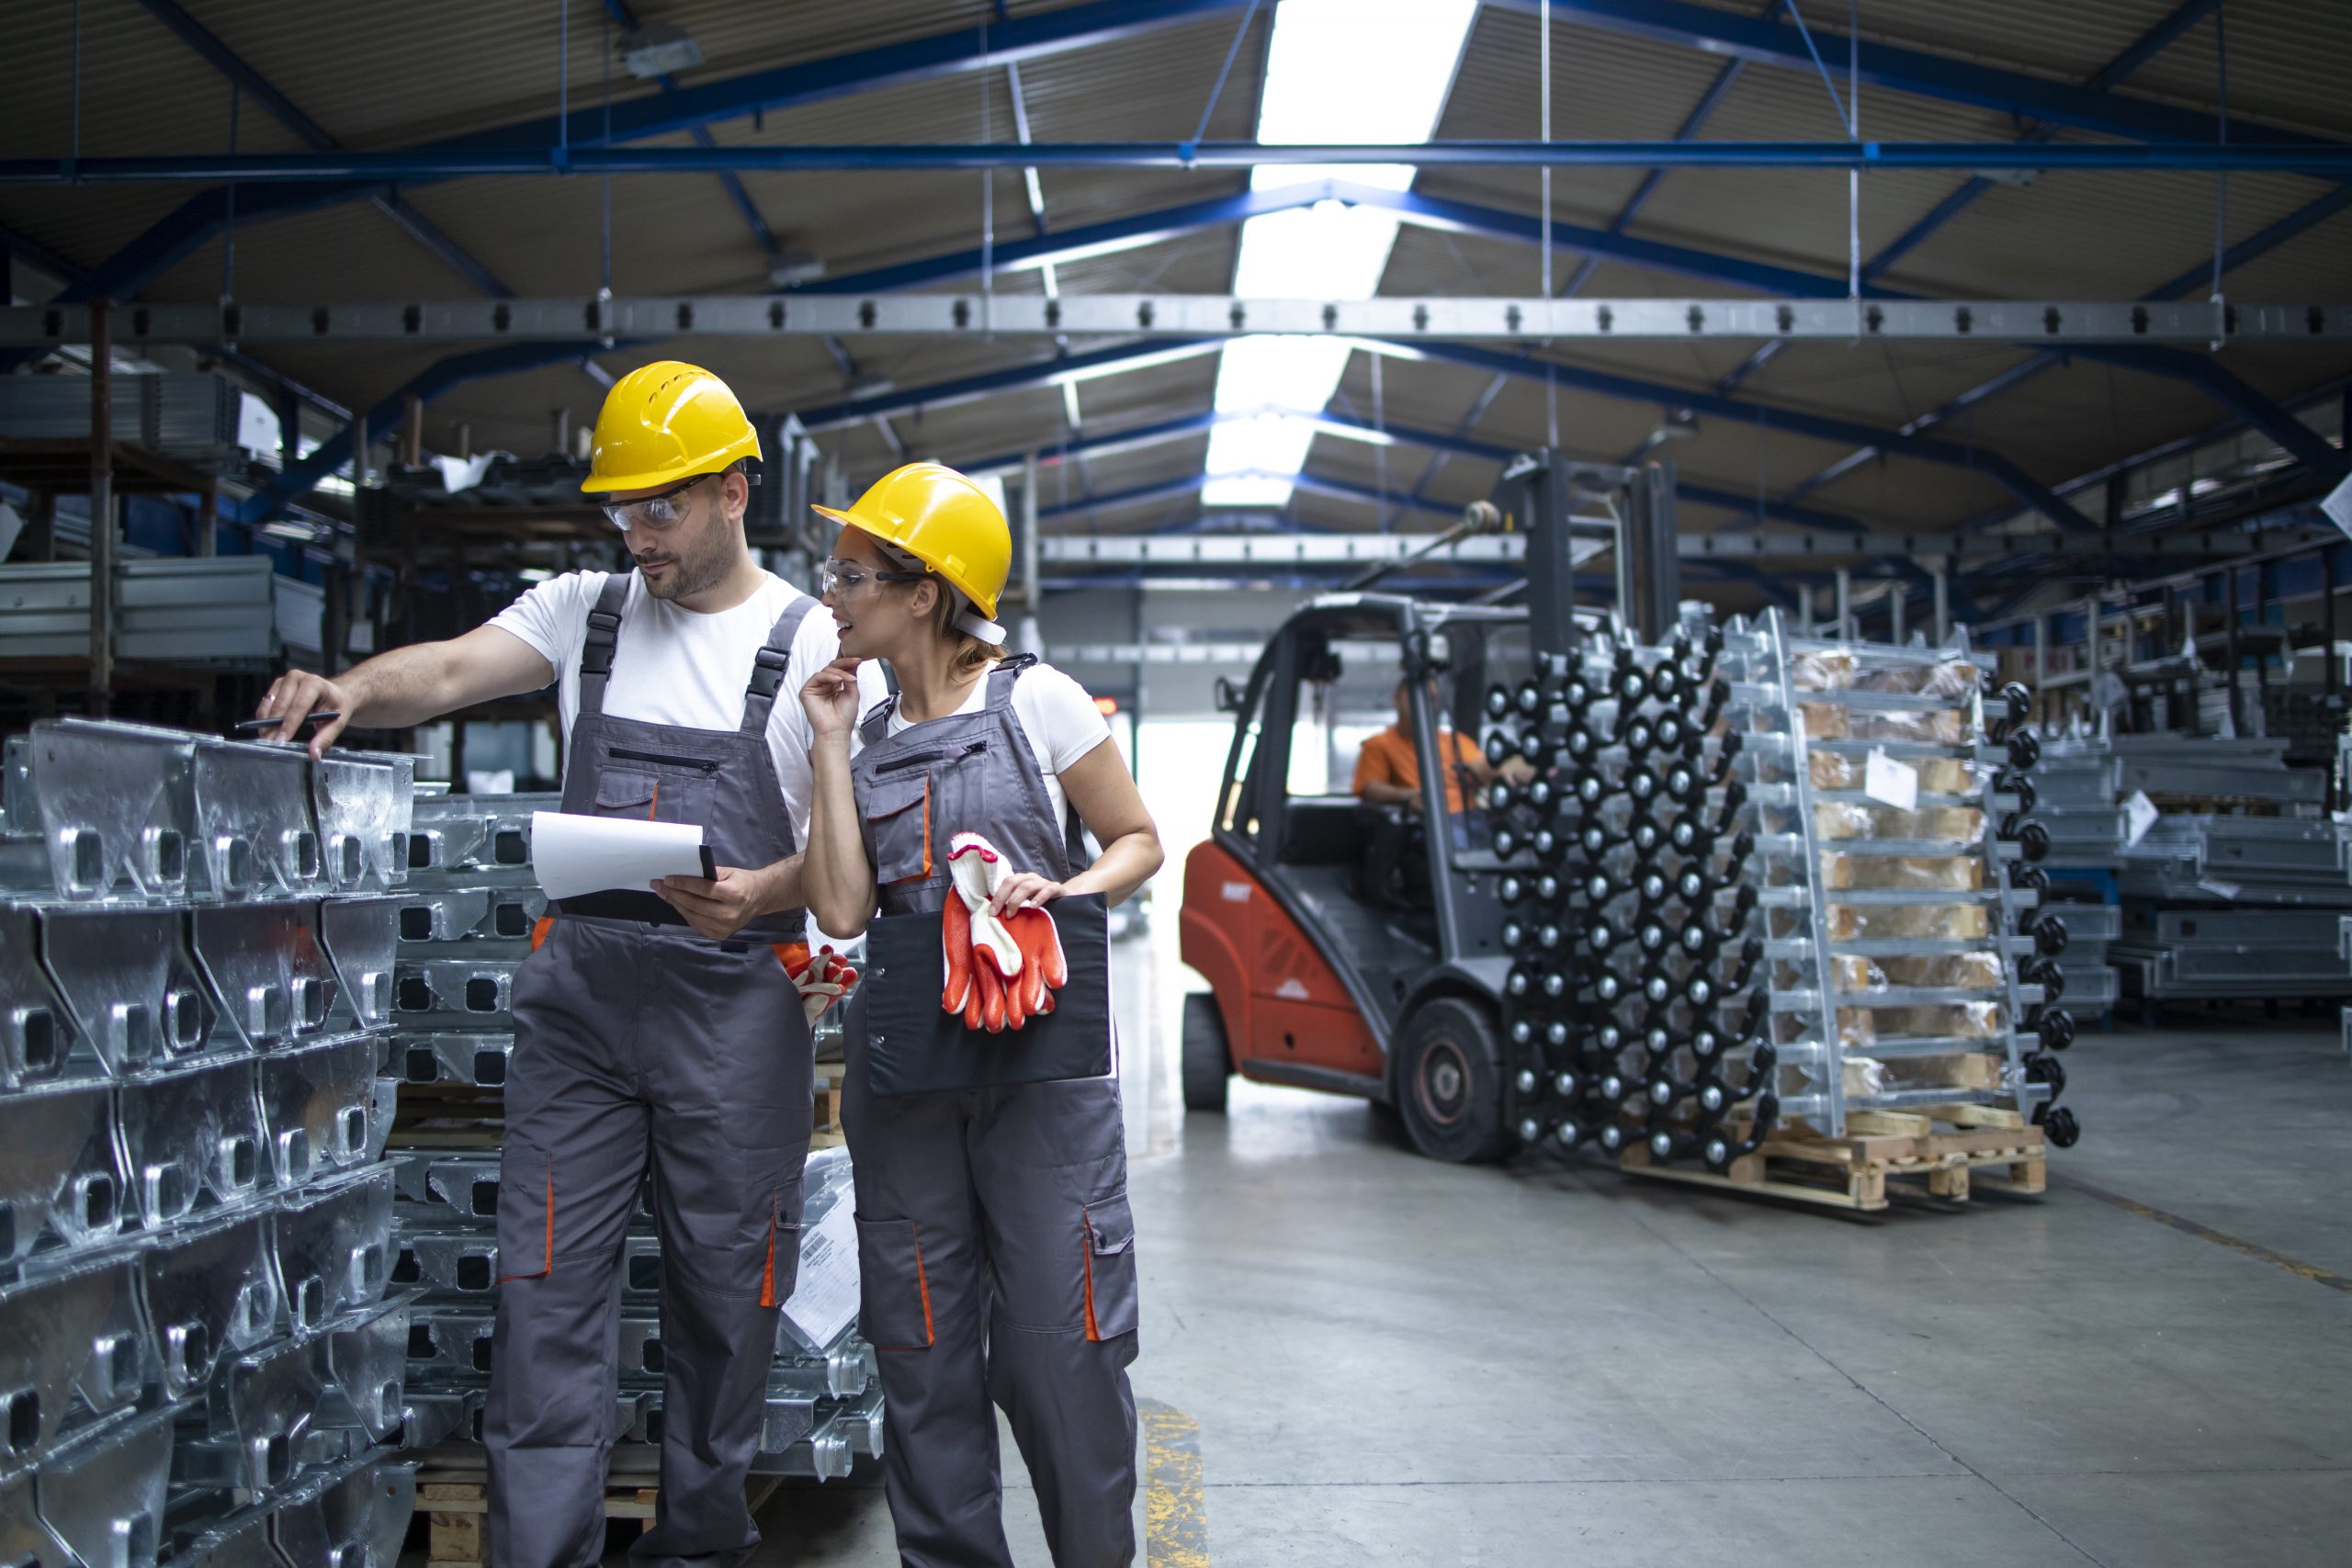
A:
[(433, 68)]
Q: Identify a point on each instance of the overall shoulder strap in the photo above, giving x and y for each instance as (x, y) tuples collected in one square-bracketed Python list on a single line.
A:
[(604, 635), (768, 664), (1006, 672), (875, 728)]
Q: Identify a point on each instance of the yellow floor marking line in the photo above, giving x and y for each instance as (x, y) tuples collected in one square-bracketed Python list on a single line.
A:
[(1175, 1517), (2294, 1266)]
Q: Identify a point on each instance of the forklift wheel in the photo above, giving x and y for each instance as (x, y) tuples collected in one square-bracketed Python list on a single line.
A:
[(1207, 1062), (1449, 1082)]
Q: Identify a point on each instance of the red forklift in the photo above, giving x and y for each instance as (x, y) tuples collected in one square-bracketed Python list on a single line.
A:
[(1357, 948)]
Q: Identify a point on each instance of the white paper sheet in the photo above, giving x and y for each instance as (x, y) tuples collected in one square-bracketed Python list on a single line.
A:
[(1892, 783), (824, 1298), (2139, 816), (574, 855)]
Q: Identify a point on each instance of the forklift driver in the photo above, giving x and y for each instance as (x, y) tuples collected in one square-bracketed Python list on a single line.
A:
[(1388, 769), (1388, 780)]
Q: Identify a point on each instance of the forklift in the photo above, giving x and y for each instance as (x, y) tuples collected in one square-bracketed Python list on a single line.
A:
[(1357, 948)]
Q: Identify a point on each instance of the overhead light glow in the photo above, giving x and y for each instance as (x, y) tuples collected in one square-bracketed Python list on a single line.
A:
[(1338, 71)]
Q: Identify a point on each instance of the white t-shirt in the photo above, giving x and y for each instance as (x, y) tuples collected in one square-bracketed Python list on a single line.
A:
[(682, 667), (1060, 721)]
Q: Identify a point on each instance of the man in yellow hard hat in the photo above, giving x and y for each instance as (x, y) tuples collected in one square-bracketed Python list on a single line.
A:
[(655, 1029)]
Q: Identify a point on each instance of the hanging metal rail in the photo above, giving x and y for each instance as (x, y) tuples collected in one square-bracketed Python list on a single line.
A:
[(1398, 320)]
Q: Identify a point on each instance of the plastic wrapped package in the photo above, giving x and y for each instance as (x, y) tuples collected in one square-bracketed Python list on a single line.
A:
[(1832, 771), (1953, 679), (1926, 872), (1831, 669), (1945, 726), (1825, 721), (1944, 775), (1972, 971), (1943, 922), (1849, 819), (1847, 971), (1864, 1076), (1978, 1070), (1843, 820), (1950, 1021)]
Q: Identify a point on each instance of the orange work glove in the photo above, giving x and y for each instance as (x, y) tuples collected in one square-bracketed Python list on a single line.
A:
[(822, 978)]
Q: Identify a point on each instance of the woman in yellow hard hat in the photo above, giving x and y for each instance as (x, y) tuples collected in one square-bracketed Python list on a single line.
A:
[(995, 1244)]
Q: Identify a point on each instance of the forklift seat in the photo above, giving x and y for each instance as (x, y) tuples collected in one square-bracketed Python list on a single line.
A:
[(1321, 830)]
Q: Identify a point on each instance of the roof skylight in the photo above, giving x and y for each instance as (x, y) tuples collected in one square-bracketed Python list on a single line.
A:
[(1338, 71)]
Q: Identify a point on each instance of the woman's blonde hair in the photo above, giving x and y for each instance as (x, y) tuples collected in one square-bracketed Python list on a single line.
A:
[(971, 653)]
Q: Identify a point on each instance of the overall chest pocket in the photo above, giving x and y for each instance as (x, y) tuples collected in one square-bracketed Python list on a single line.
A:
[(655, 787), (897, 825)]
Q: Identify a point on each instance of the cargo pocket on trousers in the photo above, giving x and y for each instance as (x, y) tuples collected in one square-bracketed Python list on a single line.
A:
[(526, 1214), (1110, 1308), (781, 1270), (894, 1297)]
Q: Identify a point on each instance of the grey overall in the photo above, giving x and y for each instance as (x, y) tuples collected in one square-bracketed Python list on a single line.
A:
[(994, 1239), (640, 1045)]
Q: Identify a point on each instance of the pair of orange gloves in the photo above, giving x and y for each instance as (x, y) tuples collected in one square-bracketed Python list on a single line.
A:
[(822, 977), (1002, 970)]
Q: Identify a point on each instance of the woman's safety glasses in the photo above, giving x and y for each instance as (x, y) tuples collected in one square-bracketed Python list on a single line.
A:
[(652, 512), (839, 579)]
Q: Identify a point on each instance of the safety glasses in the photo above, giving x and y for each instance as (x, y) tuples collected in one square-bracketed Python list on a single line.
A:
[(838, 579), (652, 512)]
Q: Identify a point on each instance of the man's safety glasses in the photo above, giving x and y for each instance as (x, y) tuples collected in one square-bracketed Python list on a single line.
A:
[(839, 579), (654, 512)]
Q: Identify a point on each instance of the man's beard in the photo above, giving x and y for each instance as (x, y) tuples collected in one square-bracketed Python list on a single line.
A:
[(688, 575)]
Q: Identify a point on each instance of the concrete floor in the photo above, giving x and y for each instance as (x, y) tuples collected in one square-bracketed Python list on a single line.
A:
[(1395, 1361)]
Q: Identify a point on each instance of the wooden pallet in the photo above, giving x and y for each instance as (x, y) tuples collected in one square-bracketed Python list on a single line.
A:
[(1943, 1147), (455, 1506)]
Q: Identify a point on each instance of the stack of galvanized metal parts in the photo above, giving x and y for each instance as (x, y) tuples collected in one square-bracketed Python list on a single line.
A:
[(1628, 1006), (2231, 887), (199, 1360), (466, 924), (1910, 967)]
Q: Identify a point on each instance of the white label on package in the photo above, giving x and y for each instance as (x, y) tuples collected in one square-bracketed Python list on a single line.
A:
[(2139, 816), (824, 1297), (1890, 783)]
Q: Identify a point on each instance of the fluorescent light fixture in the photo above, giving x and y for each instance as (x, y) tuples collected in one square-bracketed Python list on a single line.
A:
[(1337, 71), (656, 51)]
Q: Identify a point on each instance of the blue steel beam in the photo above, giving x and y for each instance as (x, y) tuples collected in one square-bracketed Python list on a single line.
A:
[(2012, 93), (284, 110), (2142, 49), (147, 257), (306, 172), (1608, 384), (729, 181), (1190, 425)]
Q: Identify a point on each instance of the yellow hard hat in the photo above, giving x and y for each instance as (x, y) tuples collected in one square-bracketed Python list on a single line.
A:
[(667, 421), (945, 521)]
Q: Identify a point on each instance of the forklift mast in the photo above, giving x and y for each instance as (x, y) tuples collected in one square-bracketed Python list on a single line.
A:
[(1629, 512)]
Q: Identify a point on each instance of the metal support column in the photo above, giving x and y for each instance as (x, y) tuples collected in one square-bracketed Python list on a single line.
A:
[(1895, 595), (2230, 651), (411, 430), (1654, 554), (1543, 502), (1032, 591), (1940, 576), (1844, 604), (102, 524), (207, 521)]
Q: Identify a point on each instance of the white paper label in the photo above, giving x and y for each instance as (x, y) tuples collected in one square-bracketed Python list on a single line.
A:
[(2139, 816), (824, 1297), (1890, 783), (1236, 892)]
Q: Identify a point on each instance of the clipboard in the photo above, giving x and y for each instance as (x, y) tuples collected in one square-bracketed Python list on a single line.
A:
[(914, 1047)]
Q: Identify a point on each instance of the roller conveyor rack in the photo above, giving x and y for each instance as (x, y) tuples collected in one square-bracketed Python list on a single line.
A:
[(465, 921), (202, 1352), (1909, 966), (1632, 1006)]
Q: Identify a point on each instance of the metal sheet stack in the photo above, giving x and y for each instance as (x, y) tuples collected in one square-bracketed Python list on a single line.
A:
[(2233, 888), (199, 1357), (195, 415), (466, 924)]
